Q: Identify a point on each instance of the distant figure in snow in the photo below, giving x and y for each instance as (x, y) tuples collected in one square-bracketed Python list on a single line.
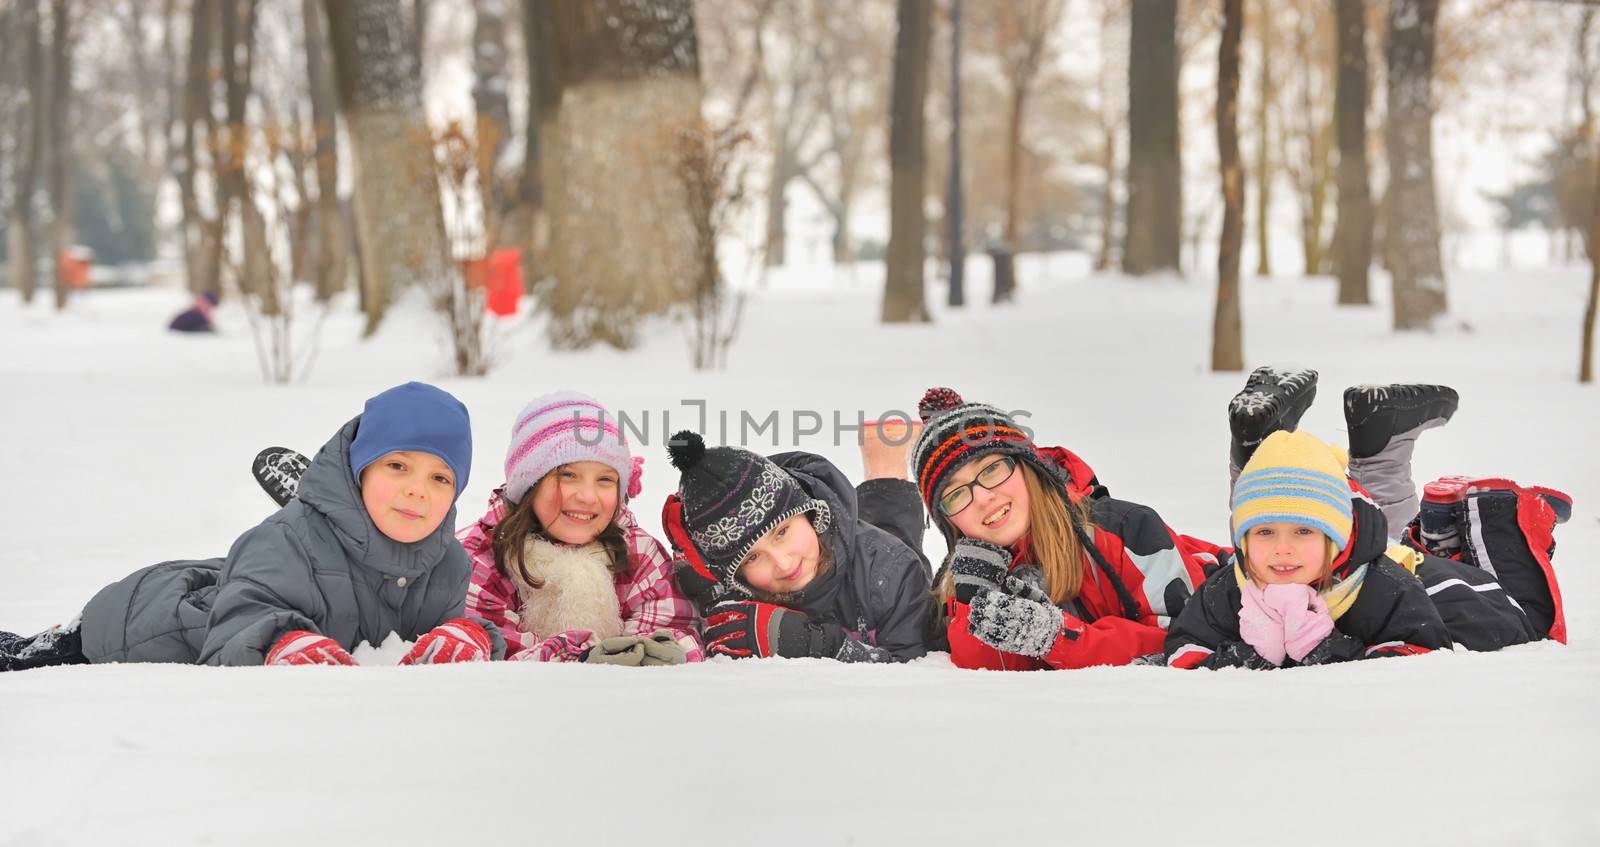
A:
[(196, 318), (364, 551), (1313, 578)]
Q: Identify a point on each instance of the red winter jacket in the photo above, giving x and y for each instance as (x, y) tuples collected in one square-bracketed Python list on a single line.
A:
[(1136, 581)]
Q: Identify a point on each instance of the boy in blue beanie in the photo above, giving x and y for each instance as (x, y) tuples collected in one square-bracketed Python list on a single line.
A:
[(367, 549)]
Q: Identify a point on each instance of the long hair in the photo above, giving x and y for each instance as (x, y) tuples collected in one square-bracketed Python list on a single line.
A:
[(512, 533), (1056, 525)]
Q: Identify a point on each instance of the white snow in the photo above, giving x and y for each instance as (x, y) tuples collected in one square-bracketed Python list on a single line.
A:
[(126, 446)]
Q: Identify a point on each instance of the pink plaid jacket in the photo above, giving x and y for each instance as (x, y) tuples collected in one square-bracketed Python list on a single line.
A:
[(646, 596)]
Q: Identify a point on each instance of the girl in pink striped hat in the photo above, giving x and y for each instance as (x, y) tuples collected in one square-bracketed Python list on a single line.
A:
[(560, 565)]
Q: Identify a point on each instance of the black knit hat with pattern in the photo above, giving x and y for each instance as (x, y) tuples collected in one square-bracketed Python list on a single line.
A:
[(731, 497)]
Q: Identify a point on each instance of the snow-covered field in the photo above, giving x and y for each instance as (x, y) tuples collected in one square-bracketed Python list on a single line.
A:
[(124, 446)]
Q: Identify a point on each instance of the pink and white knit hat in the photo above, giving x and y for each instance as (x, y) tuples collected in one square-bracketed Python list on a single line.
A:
[(563, 427)]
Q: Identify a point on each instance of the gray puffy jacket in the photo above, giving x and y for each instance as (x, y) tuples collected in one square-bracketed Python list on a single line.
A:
[(318, 564)]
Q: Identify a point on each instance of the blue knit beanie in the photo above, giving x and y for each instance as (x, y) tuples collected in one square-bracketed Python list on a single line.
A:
[(415, 416)]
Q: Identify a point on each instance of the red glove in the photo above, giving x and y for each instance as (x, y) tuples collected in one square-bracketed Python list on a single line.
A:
[(455, 640), (307, 648)]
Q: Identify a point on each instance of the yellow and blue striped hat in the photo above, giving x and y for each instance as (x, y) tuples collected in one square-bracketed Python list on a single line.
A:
[(1294, 477)]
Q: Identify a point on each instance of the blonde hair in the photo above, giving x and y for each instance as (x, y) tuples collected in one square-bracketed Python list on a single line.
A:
[(1054, 526)]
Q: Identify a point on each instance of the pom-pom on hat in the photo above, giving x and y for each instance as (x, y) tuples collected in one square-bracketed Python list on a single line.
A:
[(731, 497), (1294, 477), (414, 417), (561, 428)]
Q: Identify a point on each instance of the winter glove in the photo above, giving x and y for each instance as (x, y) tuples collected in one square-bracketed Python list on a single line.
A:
[(1014, 624), (567, 646), (302, 647), (1306, 621), (977, 566), (741, 628), (1027, 582), (623, 650), (638, 650), (1337, 647), (1261, 623), (662, 648), (455, 640), (700, 590)]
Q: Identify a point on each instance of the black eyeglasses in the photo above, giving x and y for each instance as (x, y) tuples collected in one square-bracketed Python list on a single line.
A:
[(960, 497)]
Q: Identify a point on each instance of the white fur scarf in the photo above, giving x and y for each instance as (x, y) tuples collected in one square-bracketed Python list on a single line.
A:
[(578, 591)]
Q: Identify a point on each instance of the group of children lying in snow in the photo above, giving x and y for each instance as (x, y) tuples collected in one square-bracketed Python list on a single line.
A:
[(1333, 555)]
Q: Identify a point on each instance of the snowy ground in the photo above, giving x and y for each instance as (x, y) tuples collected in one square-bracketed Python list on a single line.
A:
[(126, 446)]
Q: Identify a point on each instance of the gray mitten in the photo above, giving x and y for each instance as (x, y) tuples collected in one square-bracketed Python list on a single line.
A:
[(661, 648), (626, 650), (1014, 624), (977, 566), (1027, 582)]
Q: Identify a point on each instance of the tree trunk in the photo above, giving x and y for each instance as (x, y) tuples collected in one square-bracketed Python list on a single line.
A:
[(1227, 344), (61, 143), (1108, 201), (1264, 150), (1586, 366), (492, 106), (628, 77), (1353, 232), (1014, 164), (1154, 231), (238, 42), (1312, 226), (783, 169), (903, 290), (331, 264), (954, 201), (529, 224), (26, 171), (398, 217), (1413, 218)]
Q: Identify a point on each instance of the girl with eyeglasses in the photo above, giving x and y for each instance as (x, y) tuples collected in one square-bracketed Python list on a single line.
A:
[(1046, 570)]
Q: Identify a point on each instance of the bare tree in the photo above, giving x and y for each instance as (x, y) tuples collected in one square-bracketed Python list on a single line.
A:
[(492, 105), (331, 263), (1353, 232), (952, 197), (25, 171), (1264, 172), (59, 178), (1413, 218), (1586, 366), (1227, 344), (1110, 117), (1022, 30), (1308, 131), (1154, 214), (398, 217), (903, 291)]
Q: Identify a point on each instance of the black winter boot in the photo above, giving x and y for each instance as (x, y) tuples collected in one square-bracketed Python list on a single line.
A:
[(54, 646), (1272, 399)]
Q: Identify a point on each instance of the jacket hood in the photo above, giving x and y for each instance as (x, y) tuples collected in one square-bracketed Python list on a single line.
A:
[(327, 489)]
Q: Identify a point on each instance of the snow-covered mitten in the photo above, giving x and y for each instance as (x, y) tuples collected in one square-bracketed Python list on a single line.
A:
[(1014, 624), (302, 647), (743, 628), (1306, 621), (1261, 623), (977, 566), (455, 640), (1027, 582), (278, 470)]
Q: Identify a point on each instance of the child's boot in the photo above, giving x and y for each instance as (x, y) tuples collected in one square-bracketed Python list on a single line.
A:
[(1272, 399), (278, 470), (55, 646), (1384, 422)]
